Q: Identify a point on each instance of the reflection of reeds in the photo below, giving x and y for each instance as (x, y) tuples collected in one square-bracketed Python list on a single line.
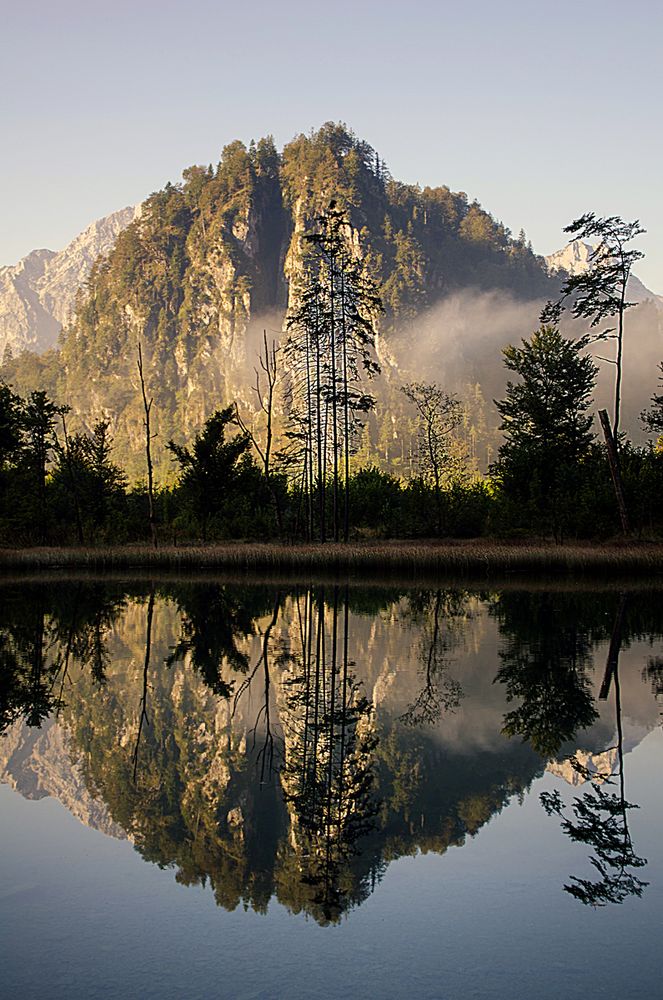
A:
[(398, 558)]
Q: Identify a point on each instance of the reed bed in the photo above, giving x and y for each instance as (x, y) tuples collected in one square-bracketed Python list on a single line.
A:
[(371, 561)]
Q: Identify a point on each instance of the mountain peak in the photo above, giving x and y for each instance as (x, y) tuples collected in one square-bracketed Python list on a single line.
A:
[(574, 259), (37, 294)]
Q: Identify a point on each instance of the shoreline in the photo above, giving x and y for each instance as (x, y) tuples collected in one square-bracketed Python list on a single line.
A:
[(373, 561)]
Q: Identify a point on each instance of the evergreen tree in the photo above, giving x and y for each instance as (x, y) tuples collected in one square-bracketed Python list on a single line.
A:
[(10, 426), (547, 429), (38, 419), (94, 483), (208, 470), (331, 346)]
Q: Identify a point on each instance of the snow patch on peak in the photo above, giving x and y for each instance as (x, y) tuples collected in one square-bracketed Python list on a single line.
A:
[(572, 258)]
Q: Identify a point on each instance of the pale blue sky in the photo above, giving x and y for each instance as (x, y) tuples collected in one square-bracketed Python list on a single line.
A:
[(540, 110)]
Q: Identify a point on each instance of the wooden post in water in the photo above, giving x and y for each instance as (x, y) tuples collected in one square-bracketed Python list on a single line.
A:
[(613, 462)]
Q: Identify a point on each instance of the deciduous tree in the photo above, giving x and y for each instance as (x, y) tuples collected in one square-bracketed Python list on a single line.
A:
[(438, 415)]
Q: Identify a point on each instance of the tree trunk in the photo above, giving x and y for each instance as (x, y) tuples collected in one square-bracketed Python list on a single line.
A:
[(147, 406), (613, 461)]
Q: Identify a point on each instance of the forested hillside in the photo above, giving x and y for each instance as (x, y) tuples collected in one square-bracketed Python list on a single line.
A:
[(213, 260)]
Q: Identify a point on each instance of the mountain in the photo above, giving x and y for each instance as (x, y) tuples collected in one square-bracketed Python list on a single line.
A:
[(38, 763), (37, 295), (212, 261), (574, 257), (205, 265)]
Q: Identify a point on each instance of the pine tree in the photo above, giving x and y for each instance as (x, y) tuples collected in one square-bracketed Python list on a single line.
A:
[(331, 347), (547, 429)]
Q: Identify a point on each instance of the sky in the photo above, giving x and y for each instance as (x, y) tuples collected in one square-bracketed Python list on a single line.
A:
[(541, 111)]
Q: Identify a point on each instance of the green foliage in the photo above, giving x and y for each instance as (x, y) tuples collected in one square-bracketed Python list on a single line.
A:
[(547, 429), (209, 469), (10, 426), (375, 501), (653, 418), (86, 480)]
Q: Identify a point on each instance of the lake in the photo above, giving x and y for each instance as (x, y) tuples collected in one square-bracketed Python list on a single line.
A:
[(237, 789)]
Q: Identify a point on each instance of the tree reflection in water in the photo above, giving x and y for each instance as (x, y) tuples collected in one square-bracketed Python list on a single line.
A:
[(327, 736), (653, 673), (548, 671), (600, 817), (143, 716), (545, 660), (42, 630), (215, 618), (251, 756), (440, 614)]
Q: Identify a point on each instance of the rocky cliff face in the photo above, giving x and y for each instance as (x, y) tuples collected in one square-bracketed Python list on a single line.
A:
[(37, 295)]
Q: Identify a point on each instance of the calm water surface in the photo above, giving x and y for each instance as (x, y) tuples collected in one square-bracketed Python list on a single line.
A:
[(218, 789)]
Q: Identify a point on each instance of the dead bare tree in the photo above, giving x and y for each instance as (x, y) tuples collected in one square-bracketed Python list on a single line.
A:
[(268, 370), (268, 361)]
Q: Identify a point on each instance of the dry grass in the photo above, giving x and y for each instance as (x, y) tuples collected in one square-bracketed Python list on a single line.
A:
[(373, 562)]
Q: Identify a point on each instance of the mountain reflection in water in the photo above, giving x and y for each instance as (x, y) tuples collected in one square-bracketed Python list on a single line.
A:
[(291, 742)]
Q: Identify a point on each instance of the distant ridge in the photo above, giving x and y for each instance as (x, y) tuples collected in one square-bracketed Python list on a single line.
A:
[(37, 295)]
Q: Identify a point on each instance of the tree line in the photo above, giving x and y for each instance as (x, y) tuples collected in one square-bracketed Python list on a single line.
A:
[(235, 480)]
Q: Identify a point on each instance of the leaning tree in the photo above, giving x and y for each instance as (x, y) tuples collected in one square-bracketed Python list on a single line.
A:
[(599, 293)]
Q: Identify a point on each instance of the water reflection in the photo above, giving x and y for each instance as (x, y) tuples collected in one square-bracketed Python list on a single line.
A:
[(441, 616), (291, 742), (599, 818)]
